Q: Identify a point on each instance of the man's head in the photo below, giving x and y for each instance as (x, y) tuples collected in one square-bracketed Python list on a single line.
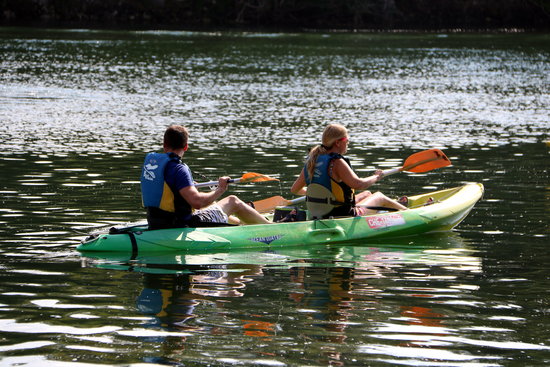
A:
[(175, 138)]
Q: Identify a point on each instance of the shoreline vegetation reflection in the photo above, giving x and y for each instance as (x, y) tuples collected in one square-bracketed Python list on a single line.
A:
[(282, 15)]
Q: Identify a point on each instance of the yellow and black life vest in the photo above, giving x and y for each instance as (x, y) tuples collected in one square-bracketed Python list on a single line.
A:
[(326, 197)]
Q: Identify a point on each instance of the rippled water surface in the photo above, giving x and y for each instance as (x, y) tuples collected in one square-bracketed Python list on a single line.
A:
[(79, 109)]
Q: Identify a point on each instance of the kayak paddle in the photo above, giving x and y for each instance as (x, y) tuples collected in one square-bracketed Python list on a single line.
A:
[(267, 205), (245, 178), (423, 161)]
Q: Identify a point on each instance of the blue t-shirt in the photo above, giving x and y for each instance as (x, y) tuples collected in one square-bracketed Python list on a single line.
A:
[(178, 176)]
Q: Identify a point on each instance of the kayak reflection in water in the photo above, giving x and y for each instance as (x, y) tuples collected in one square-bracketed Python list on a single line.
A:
[(175, 300), (171, 198), (162, 297), (331, 181)]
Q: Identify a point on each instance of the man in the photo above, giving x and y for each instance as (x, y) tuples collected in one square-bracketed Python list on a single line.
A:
[(171, 198)]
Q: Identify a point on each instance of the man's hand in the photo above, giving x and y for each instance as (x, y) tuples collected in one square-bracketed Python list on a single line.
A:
[(379, 174), (223, 182)]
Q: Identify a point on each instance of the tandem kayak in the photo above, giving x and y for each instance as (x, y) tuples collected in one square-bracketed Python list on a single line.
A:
[(430, 212)]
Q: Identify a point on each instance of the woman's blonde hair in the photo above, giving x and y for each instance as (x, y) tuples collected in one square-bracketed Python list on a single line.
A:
[(331, 134)]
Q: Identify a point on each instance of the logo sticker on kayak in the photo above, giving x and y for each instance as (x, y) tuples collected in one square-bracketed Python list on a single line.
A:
[(267, 240), (386, 220)]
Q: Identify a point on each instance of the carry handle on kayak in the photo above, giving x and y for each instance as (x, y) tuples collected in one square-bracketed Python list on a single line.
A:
[(328, 233)]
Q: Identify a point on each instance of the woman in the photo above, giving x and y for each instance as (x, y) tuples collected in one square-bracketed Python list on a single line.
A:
[(331, 181)]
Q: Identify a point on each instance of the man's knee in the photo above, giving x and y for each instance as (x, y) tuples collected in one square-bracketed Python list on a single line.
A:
[(233, 204), (378, 195), (233, 200)]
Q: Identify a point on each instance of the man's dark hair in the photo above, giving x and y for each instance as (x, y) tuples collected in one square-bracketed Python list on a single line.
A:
[(176, 137)]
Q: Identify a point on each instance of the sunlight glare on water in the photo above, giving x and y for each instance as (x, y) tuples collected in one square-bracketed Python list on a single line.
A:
[(118, 94)]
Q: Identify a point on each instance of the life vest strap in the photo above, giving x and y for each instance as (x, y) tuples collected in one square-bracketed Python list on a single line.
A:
[(330, 201)]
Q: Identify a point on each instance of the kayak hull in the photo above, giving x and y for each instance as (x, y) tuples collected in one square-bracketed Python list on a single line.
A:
[(448, 209)]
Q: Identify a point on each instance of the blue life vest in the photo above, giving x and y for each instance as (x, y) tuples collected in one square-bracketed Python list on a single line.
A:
[(320, 173), (155, 192)]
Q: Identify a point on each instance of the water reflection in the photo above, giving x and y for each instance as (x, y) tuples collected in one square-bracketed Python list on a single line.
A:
[(334, 295), (172, 298), (405, 296)]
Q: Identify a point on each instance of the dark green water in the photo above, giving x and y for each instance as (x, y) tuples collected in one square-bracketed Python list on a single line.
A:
[(79, 109)]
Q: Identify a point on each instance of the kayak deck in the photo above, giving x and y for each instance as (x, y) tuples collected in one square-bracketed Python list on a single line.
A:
[(430, 212)]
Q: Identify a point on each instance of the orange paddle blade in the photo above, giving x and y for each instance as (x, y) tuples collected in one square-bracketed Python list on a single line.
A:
[(426, 160), (256, 177), (269, 204)]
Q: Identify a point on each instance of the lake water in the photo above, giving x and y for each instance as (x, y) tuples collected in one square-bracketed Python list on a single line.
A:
[(80, 108)]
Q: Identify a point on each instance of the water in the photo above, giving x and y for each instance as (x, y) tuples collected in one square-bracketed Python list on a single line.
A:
[(79, 108)]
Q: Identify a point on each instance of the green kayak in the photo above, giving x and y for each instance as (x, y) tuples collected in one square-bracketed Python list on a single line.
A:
[(430, 212)]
